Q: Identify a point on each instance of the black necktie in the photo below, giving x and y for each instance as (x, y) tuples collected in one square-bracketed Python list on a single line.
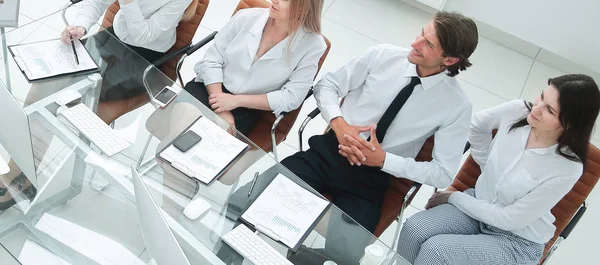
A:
[(391, 112)]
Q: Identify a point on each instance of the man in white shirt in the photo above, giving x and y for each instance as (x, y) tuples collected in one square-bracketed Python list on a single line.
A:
[(350, 162)]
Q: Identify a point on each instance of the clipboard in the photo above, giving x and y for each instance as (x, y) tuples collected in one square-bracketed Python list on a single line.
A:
[(186, 171), (83, 55), (278, 220)]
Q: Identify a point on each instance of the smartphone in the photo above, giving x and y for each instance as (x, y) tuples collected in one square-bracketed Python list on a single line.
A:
[(187, 140), (165, 96)]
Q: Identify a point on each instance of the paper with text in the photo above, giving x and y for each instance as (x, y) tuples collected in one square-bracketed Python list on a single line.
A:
[(286, 209), (205, 160), (51, 58)]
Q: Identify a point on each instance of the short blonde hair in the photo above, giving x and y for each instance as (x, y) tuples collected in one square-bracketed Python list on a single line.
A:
[(190, 11)]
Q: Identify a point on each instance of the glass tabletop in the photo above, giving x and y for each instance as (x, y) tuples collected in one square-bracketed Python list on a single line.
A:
[(82, 193)]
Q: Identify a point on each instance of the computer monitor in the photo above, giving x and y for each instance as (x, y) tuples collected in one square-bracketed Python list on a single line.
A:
[(160, 241), (15, 135)]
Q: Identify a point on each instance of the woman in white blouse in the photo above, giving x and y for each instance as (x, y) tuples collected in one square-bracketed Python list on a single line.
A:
[(535, 159), (147, 27), (263, 59)]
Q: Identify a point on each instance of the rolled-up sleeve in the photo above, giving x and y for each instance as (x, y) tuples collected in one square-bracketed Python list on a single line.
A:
[(338, 83), (292, 94), (210, 69)]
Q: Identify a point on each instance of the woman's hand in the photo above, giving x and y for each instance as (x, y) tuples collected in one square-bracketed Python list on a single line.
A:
[(440, 197), (221, 102), (71, 32)]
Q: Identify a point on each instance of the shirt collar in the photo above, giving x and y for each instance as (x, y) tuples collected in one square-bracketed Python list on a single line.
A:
[(257, 30), (541, 151), (426, 82), (259, 25)]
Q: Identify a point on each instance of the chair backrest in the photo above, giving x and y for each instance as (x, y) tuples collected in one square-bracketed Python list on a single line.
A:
[(158, 237), (565, 209), (394, 196), (259, 134), (185, 33)]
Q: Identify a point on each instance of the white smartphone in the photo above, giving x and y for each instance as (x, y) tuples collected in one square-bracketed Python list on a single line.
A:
[(165, 96)]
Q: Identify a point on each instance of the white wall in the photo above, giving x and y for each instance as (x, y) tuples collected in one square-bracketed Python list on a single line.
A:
[(570, 29)]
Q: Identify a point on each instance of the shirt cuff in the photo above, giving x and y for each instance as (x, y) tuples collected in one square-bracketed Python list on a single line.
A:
[(455, 197), (275, 100), (210, 76), (393, 164), (133, 11), (84, 22), (330, 112)]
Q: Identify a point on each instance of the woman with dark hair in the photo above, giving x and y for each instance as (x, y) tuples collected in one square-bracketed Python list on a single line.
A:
[(535, 159)]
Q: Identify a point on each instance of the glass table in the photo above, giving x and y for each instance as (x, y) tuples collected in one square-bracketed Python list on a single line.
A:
[(84, 210)]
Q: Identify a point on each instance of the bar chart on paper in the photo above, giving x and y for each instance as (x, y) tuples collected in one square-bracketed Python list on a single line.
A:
[(284, 224), (201, 162)]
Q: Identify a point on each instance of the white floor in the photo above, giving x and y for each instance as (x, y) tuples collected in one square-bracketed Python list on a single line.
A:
[(498, 74)]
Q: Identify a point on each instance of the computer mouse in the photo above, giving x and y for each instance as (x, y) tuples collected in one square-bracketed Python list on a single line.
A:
[(196, 208)]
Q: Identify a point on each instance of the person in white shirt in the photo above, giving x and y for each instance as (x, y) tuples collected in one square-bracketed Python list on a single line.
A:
[(261, 60), (148, 27), (535, 159), (420, 97)]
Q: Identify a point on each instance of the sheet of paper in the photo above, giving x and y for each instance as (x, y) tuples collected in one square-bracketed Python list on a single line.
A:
[(210, 156), (51, 58), (286, 209)]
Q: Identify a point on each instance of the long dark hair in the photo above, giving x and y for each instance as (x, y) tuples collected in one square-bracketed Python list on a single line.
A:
[(579, 101)]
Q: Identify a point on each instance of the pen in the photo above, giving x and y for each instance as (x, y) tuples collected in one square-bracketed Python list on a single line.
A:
[(74, 51), (253, 183)]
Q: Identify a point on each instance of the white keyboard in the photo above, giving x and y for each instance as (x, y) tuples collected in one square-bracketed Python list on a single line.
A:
[(252, 247), (95, 129)]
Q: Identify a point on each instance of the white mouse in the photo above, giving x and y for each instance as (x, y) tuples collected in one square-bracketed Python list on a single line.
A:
[(196, 208)]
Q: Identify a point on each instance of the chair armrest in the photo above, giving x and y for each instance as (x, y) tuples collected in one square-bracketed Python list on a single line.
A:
[(467, 147), (565, 233), (170, 56), (201, 43), (413, 189), (314, 113)]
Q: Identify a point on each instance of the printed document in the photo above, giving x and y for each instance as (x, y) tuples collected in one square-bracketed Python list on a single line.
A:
[(51, 58), (286, 211), (209, 157)]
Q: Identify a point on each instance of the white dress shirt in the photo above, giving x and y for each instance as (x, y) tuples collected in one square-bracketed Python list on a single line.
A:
[(438, 107), (149, 24), (518, 187), (285, 77)]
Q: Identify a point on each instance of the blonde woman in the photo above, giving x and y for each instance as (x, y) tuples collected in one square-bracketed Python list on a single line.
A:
[(263, 59), (148, 27)]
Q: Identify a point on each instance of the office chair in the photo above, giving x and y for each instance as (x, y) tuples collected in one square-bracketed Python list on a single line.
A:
[(400, 193), (567, 211)]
